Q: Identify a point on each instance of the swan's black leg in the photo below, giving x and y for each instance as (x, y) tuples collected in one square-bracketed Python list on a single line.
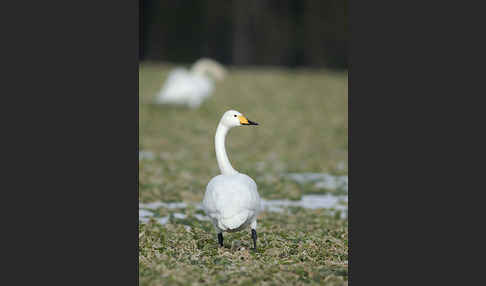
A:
[(220, 238), (254, 237)]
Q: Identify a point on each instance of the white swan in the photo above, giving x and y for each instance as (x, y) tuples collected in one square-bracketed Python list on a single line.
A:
[(191, 87), (231, 200)]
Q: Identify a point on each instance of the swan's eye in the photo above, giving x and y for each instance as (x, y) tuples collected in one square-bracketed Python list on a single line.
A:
[(235, 115)]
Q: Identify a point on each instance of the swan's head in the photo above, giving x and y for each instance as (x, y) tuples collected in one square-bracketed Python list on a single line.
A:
[(232, 118)]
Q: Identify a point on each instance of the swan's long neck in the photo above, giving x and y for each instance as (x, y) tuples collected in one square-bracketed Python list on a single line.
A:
[(207, 67), (223, 161)]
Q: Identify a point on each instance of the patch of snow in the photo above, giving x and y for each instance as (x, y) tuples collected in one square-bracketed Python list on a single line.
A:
[(179, 215), (163, 220), (315, 201), (146, 155), (308, 202), (156, 205), (320, 180)]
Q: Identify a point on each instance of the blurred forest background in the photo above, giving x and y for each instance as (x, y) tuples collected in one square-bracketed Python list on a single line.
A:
[(292, 33)]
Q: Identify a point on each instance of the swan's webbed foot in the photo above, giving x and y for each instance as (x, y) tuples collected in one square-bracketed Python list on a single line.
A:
[(254, 237), (220, 239)]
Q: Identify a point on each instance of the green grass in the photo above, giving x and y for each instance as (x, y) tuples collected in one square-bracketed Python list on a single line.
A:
[(303, 128)]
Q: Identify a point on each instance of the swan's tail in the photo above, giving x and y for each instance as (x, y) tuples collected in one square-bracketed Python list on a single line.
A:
[(233, 222)]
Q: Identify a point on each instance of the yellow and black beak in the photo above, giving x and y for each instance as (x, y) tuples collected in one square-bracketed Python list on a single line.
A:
[(245, 121)]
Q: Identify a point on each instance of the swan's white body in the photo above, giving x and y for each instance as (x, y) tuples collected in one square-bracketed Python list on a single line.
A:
[(190, 87), (231, 200)]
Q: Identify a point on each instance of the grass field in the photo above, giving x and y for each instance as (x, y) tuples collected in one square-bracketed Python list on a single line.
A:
[(303, 128)]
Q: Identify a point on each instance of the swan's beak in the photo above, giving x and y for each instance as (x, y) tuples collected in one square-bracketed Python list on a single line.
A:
[(245, 121)]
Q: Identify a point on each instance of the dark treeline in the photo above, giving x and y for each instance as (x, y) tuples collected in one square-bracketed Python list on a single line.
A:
[(253, 32)]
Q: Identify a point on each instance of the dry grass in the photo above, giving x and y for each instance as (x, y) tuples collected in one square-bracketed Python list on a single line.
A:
[(299, 247)]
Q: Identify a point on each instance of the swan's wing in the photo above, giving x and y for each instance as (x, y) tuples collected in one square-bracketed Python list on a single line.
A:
[(182, 86), (210, 201), (176, 86), (252, 198), (231, 196), (176, 74), (204, 85)]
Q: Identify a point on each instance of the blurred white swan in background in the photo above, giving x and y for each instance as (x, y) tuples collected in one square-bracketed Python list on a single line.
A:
[(191, 87)]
